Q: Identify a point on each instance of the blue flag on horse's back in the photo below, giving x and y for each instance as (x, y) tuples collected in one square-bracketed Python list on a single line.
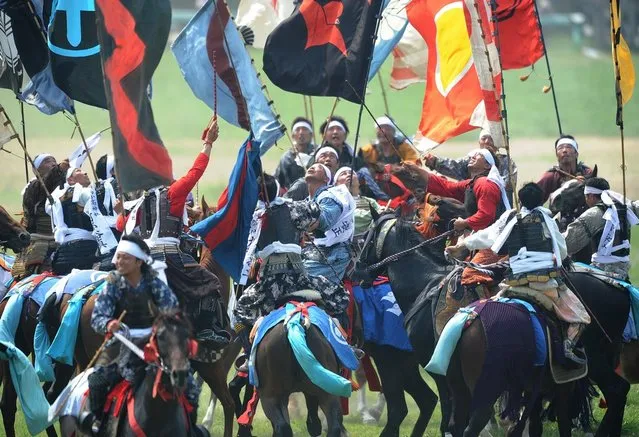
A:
[(226, 232), (211, 54)]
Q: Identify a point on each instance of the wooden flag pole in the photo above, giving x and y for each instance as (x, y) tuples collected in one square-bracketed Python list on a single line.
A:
[(305, 106), (24, 140), (26, 153), (84, 141), (381, 85), (310, 105)]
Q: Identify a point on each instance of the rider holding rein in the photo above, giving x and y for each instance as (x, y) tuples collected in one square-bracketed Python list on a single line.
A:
[(135, 287)]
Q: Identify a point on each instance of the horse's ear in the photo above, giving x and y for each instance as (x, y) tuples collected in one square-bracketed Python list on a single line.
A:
[(594, 171), (204, 206)]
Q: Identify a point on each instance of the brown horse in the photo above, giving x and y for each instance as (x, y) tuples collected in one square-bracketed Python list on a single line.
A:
[(214, 374), (12, 235)]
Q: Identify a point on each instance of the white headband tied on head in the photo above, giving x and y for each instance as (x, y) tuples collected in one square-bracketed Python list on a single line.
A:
[(485, 133), (302, 124), (327, 149), (110, 165), (385, 121), (37, 162), (567, 142), (70, 172), (485, 153), (130, 248), (327, 172), (343, 170), (336, 123), (592, 190)]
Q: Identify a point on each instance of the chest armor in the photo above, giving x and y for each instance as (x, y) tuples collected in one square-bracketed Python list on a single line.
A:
[(620, 235), (277, 225), (140, 309), (170, 226), (42, 221), (529, 233), (74, 215)]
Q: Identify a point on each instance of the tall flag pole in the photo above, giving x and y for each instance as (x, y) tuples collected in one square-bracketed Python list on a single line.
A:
[(310, 105), (550, 79), (381, 86), (624, 76)]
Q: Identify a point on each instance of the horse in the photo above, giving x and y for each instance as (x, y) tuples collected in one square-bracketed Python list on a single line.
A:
[(569, 201), (601, 340), (156, 406), (425, 260), (12, 235), (214, 374)]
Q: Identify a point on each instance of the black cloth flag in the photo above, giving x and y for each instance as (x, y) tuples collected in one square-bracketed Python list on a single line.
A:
[(133, 35), (324, 48), (11, 75), (75, 51)]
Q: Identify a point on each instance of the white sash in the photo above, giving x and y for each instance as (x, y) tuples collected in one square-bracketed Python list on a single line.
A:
[(605, 250), (344, 227), (101, 227)]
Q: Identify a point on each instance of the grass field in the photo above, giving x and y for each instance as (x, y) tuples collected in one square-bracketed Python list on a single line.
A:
[(586, 101)]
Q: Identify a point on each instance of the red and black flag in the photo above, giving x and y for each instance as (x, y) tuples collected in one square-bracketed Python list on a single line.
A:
[(324, 48), (75, 52), (132, 36)]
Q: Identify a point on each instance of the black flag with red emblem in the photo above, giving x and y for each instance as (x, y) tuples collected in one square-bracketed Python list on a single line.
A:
[(324, 48), (132, 36)]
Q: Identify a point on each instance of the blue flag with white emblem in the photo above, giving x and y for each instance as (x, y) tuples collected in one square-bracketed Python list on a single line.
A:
[(75, 51), (392, 25)]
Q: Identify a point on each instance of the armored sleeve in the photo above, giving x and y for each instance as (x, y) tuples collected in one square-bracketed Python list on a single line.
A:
[(580, 232), (104, 308), (163, 297)]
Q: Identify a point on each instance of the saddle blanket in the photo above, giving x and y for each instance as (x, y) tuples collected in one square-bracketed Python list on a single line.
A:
[(382, 318), (62, 347), (453, 330), (632, 327), (6, 263), (321, 320), (74, 281), (70, 401), (34, 287)]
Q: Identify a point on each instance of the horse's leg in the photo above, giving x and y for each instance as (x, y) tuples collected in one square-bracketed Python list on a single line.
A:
[(478, 420), (536, 427), (333, 411), (207, 420), (614, 389), (391, 378), (424, 397), (564, 402), (215, 376), (9, 402), (445, 402), (313, 422), (275, 410)]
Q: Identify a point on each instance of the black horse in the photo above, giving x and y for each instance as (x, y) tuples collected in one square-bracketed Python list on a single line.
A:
[(428, 267)]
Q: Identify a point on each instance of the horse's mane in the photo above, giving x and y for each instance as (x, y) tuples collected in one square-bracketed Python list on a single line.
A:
[(6, 219), (173, 318)]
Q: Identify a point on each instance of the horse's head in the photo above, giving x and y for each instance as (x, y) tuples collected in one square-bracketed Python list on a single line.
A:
[(569, 199), (197, 213), (411, 180), (12, 234), (437, 214), (171, 346), (394, 247)]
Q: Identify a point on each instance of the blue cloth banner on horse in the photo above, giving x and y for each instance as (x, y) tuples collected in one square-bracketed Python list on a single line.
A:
[(25, 380), (43, 363), (321, 320), (28, 287), (382, 318), (63, 345)]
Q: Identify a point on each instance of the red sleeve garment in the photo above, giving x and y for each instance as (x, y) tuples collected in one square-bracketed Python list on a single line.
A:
[(548, 183), (180, 189), (488, 197), (441, 186)]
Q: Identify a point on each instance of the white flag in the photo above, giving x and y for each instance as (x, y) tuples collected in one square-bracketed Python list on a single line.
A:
[(6, 133), (76, 159)]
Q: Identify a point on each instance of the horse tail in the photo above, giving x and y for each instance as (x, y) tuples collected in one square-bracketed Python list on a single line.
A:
[(329, 381)]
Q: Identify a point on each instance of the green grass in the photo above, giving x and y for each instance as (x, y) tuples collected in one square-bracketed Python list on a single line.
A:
[(585, 92)]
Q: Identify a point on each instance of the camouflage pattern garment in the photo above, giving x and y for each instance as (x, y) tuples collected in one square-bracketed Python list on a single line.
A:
[(128, 365)]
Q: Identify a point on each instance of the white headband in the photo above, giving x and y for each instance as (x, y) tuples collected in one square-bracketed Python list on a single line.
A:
[(336, 123), (302, 124), (132, 249), (327, 171), (485, 153), (327, 149), (385, 121), (39, 159), (343, 170), (592, 190), (569, 142), (70, 172), (110, 165), (485, 133)]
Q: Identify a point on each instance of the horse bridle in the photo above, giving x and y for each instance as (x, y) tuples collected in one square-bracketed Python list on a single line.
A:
[(380, 237)]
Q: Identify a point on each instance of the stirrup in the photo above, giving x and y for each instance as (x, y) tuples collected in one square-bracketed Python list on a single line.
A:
[(572, 357), (359, 354)]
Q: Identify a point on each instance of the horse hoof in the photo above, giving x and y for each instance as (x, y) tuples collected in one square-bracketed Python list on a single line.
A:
[(367, 418)]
